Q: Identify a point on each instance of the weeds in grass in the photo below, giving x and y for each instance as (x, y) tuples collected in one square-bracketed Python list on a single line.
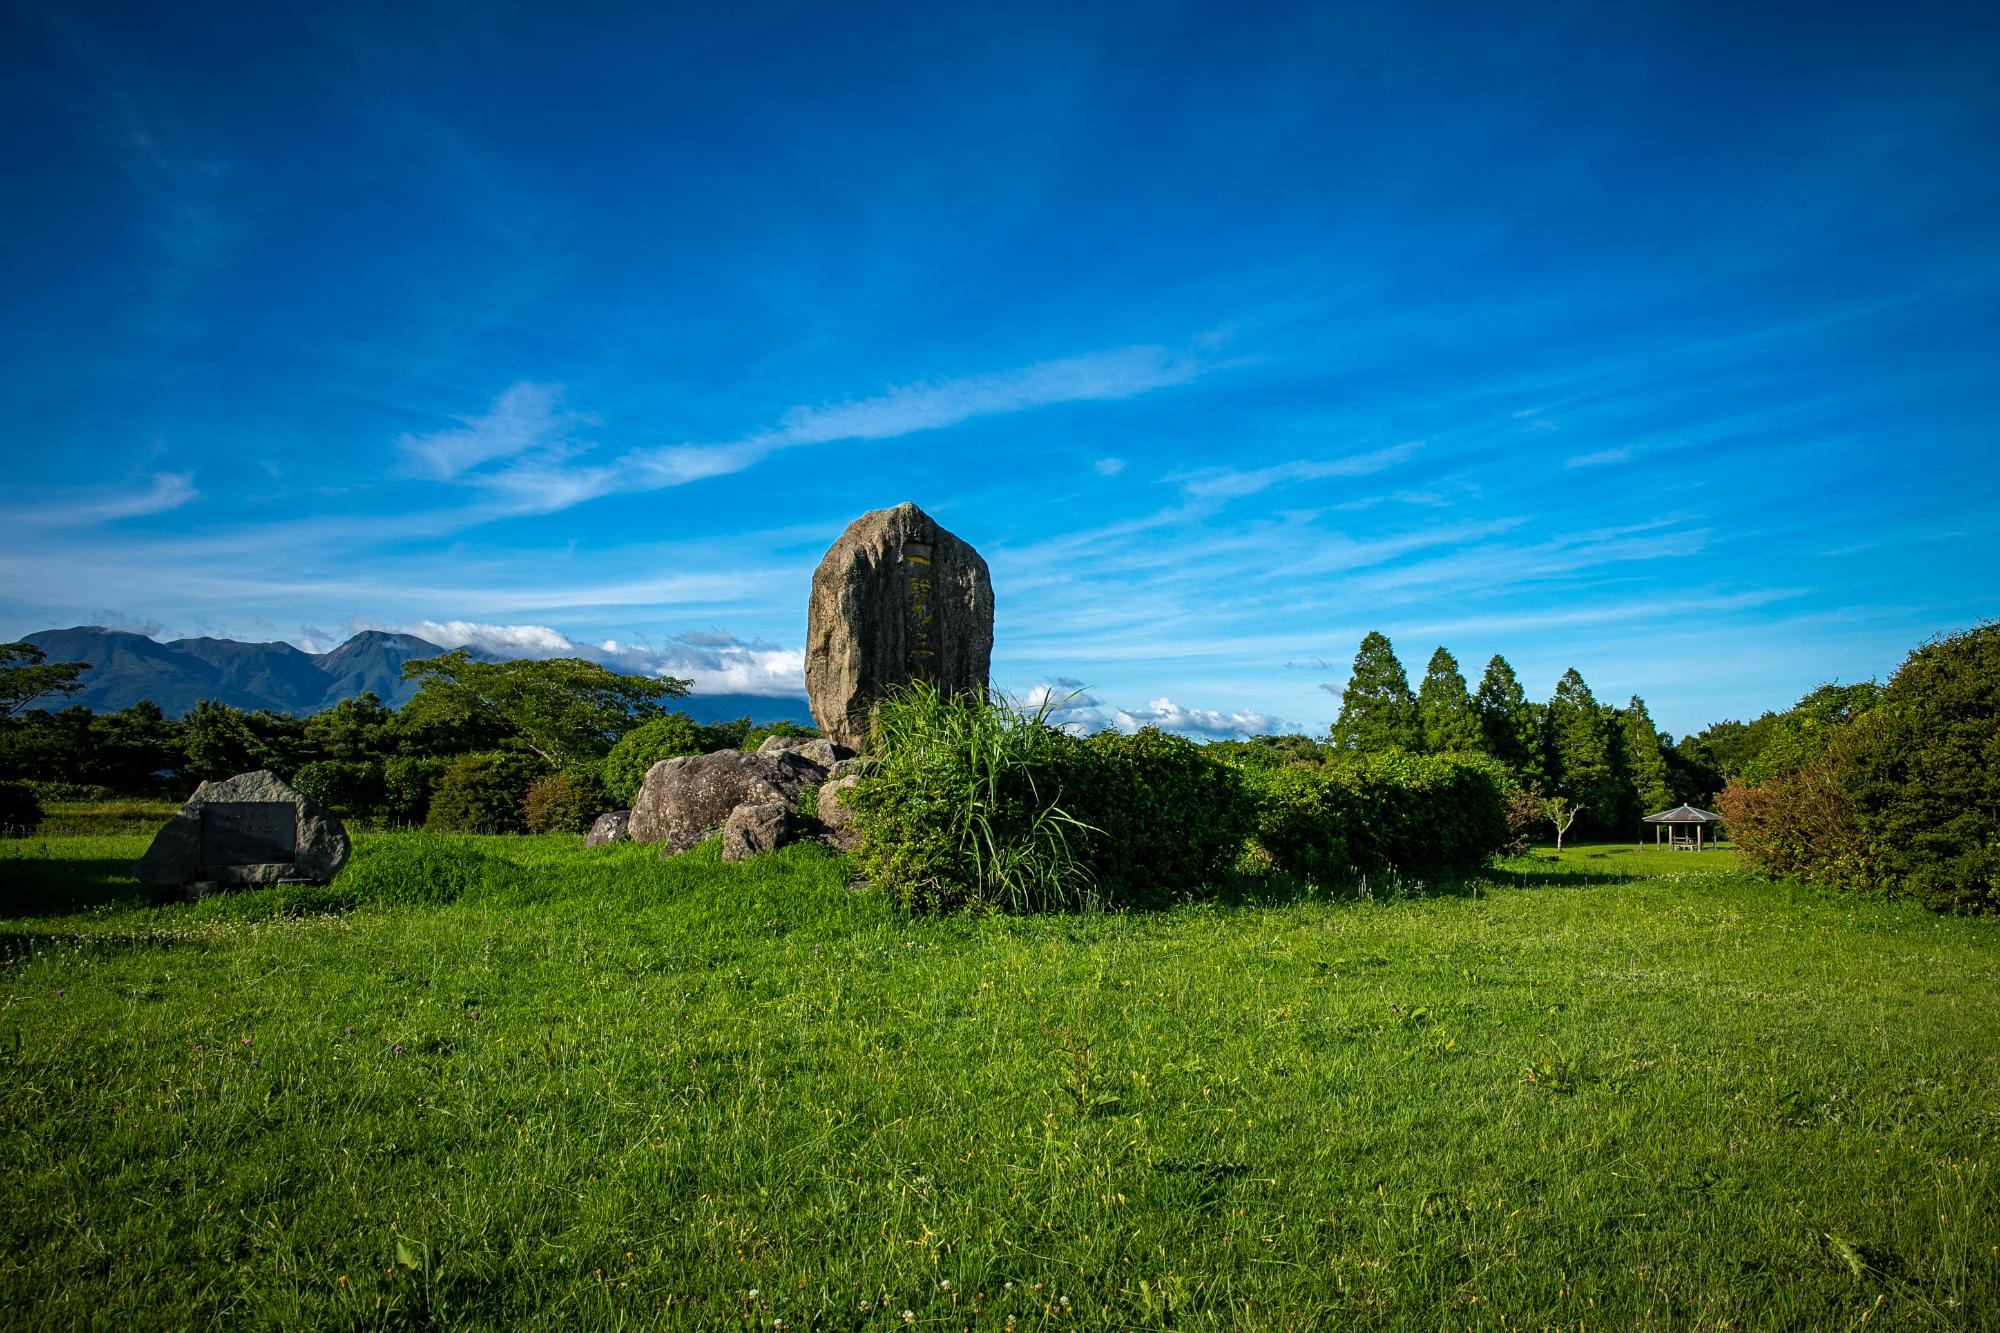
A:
[(961, 803)]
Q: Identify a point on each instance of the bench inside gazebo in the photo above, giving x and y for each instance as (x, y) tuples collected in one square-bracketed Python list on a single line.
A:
[(1684, 828)]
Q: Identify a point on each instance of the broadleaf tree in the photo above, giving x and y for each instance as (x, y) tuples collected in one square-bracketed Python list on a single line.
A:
[(1377, 710), (26, 675), (567, 711)]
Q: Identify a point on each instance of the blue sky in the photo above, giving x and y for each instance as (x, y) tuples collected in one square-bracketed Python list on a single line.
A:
[(1652, 340)]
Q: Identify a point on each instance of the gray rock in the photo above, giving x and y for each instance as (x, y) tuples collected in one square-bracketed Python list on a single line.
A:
[(254, 828), (835, 816), (611, 826), (781, 744), (682, 799), (752, 830), (843, 767), (895, 599), (824, 752)]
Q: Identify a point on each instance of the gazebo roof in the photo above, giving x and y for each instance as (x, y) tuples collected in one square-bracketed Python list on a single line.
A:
[(1684, 814)]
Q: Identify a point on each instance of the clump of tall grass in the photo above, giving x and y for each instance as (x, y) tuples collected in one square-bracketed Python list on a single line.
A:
[(963, 804)]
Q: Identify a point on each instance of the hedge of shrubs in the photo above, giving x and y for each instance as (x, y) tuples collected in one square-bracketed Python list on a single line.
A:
[(977, 802), (1382, 813), (1901, 799)]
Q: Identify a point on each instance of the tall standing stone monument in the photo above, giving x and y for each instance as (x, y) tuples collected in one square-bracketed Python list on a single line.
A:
[(895, 599)]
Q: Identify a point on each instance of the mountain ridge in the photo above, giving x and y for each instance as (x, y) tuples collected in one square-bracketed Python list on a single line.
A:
[(127, 667)]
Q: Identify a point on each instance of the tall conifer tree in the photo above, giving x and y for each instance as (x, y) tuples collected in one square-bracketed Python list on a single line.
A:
[(1508, 722), (1644, 760), (1444, 710), (1579, 752), (1377, 710)]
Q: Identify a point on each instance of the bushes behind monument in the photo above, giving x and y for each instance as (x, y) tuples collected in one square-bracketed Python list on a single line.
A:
[(976, 801), (1386, 812), (647, 744), (1166, 817)]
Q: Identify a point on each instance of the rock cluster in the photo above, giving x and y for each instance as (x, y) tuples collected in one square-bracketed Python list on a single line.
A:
[(750, 797), (895, 599)]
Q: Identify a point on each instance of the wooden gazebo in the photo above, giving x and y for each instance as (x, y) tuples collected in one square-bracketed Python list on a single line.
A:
[(1683, 826)]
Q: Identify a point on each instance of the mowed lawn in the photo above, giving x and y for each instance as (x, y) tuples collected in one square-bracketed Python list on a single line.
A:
[(1610, 1090)]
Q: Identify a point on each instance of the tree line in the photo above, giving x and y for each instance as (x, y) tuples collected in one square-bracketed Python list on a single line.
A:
[(465, 751), (1610, 764)]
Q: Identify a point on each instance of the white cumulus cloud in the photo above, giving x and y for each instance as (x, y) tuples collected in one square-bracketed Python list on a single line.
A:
[(1078, 712), (717, 662)]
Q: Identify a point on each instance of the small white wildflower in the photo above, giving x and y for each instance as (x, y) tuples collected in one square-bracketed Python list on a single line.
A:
[(754, 1293), (909, 1317)]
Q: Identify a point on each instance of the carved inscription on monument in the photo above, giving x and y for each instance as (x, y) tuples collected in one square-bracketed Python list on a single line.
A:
[(920, 610), (244, 833)]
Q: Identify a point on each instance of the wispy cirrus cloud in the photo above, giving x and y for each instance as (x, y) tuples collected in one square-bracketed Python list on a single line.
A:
[(526, 430), (1234, 484), (163, 491), (527, 419), (1624, 453)]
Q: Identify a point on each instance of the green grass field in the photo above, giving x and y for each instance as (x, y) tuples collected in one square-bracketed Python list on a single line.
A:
[(1611, 1090)]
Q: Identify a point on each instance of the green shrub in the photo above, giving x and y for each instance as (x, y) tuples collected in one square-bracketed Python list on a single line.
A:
[(1266, 752), (563, 803), (962, 805), (1391, 811), (20, 812), (1801, 825), (482, 793), (407, 784), (1526, 814), (647, 744), (425, 870), (1168, 818), (348, 787), (50, 792), (1922, 770), (752, 737)]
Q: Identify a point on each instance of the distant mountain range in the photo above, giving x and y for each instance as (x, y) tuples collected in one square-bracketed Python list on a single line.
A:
[(127, 667)]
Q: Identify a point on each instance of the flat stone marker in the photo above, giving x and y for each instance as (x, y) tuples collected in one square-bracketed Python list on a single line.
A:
[(248, 833), (254, 828), (895, 599)]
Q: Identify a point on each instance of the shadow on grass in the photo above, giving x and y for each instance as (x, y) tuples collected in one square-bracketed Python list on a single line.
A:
[(59, 887), (1282, 890)]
